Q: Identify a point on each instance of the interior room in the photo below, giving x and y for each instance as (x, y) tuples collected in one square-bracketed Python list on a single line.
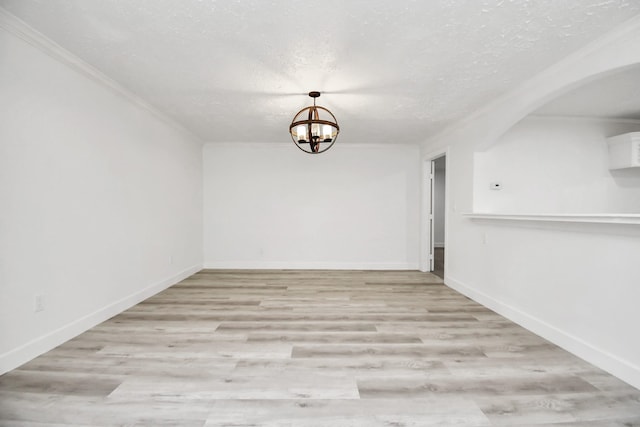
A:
[(342, 213)]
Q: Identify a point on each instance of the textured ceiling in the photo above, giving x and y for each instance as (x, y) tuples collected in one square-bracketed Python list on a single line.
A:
[(615, 95), (390, 70)]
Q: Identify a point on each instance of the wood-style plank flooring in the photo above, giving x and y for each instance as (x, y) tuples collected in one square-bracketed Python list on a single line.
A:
[(438, 262), (312, 348)]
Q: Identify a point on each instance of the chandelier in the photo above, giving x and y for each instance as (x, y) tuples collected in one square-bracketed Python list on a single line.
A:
[(314, 129)]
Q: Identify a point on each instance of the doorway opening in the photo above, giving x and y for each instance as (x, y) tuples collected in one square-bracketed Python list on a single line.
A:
[(437, 215)]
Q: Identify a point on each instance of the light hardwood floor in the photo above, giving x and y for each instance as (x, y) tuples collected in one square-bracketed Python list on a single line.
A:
[(312, 348), (438, 262)]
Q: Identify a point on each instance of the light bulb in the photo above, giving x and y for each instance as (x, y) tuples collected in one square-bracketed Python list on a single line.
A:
[(326, 132), (301, 133)]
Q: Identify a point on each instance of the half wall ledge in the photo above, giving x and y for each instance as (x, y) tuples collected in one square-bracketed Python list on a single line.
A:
[(608, 218)]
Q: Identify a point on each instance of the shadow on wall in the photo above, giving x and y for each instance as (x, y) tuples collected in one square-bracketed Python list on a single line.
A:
[(626, 178)]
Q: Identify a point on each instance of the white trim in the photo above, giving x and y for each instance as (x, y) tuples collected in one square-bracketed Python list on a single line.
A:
[(24, 32), (18, 356), (284, 265), (633, 219), (621, 368), (425, 208)]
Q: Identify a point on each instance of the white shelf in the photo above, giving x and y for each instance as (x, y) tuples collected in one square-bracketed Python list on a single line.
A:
[(633, 219)]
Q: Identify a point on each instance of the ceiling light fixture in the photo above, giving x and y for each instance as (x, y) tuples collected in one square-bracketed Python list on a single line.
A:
[(313, 126)]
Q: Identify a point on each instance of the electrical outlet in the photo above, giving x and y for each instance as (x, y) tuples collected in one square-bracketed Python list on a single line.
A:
[(38, 303)]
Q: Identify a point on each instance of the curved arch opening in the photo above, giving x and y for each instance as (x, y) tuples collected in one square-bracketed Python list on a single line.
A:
[(555, 160)]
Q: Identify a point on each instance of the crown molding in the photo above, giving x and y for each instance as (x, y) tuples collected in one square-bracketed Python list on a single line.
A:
[(24, 32)]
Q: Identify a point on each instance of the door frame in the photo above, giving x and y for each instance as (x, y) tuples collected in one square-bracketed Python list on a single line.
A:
[(426, 216)]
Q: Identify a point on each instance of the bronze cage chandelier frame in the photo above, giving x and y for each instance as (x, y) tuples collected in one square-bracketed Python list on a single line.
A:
[(314, 125)]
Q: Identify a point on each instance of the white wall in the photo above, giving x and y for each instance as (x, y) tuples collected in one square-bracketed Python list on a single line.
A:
[(100, 200), (273, 206), (556, 165), (575, 284)]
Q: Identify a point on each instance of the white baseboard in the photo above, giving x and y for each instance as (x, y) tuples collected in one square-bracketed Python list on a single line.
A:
[(18, 356), (273, 265), (611, 363)]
